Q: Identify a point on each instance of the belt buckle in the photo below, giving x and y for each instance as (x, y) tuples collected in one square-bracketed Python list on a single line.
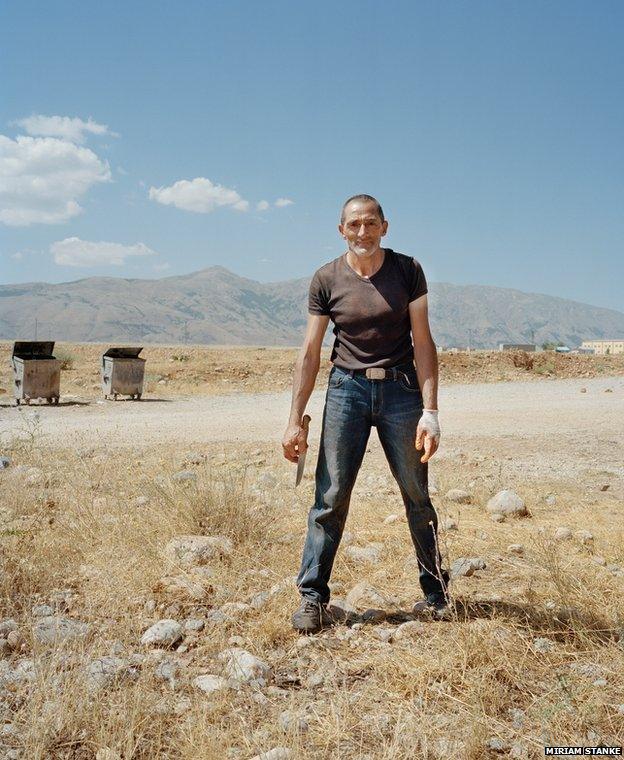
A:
[(376, 373)]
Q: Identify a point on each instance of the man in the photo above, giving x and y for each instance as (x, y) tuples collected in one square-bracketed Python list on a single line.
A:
[(377, 300)]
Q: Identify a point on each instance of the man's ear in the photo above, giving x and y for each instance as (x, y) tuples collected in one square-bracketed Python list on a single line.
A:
[(384, 228), (341, 229)]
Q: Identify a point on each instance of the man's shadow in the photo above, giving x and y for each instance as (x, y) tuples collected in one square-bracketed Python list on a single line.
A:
[(560, 624)]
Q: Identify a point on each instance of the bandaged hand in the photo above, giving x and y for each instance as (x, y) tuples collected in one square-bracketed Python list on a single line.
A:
[(428, 433)]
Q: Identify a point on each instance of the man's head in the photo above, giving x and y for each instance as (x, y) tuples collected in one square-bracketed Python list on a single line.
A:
[(362, 225)]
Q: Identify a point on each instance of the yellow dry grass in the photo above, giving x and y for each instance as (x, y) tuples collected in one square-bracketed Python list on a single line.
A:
[(77, 537)]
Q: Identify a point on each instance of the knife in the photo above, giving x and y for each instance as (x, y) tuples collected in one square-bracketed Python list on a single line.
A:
[(305, 424)]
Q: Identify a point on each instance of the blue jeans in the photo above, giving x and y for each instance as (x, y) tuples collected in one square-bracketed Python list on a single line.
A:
[(352, 406)]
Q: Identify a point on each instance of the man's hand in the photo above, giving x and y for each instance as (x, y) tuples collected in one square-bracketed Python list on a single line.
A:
[(294, 442), (428, 434)]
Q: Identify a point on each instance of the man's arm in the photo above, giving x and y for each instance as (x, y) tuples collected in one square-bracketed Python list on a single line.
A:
[(306, 370), (426, 359)]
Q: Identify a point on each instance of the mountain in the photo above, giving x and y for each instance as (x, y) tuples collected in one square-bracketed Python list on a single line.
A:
[(216, 306)]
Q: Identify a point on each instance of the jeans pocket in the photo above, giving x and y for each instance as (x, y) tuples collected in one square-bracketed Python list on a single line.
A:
[(337, 377), (409, 382)]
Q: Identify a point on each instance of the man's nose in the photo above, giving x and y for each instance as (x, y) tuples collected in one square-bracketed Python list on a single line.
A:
[(362, 231)]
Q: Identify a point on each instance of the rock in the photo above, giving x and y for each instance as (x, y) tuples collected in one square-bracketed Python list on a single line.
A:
[(458, 496), (166, 671), (467, 566), (289, 720), (515, 549), (562, 534), (600, 682), (584, 536), (450, 524), (164, 633), (605, 487), (277, 753), (385, 634), (599, 560), (543, 646), (235, 610), (583, 390), (52, 630), (497, 517), (363, 595), (185, 476), (517, 717), (42, 610), (198, 550), (106, 672), (6, 626), (551, 500), (412, 629), (244, 667), (260, 599), (494, 744), (194, 624), (15, 640), (370, 554), (4, 462), (192, 457), (210, 684), (507, 503), (390, 519), (347, 538), (181, 588), (141, 501), (107, 754)]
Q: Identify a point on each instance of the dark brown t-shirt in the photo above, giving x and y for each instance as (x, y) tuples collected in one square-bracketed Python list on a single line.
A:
[(370, 315)]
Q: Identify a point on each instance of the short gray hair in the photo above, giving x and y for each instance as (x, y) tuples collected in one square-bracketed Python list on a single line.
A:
[(362, 197)]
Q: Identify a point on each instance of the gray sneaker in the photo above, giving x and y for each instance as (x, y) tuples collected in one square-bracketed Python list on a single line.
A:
[(438, 606), (311, 617)]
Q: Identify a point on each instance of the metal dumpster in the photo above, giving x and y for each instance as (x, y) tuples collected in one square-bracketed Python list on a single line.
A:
[(122, 372), (36, 373)]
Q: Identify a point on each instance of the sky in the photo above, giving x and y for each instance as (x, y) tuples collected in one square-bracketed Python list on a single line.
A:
[(150, 139)]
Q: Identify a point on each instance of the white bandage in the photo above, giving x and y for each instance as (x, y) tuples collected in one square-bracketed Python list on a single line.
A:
[(429, 423)]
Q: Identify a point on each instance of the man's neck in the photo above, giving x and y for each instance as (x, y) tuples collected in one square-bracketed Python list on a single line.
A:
[(366, 267)]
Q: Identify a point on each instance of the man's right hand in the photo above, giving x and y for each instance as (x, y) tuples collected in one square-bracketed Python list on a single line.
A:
[(294, 442)]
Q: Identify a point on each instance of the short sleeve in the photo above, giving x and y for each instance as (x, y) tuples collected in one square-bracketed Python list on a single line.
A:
[(318, 297), (417, 281)]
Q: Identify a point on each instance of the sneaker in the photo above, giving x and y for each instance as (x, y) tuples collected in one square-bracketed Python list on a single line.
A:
[(311, 617), (438, 605)]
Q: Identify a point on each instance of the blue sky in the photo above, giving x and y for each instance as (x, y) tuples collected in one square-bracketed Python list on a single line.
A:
[(492, 133)]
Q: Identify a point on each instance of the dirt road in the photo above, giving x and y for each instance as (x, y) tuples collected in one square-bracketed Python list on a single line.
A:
[(552, 427)]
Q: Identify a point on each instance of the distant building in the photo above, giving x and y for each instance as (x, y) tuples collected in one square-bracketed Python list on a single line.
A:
[(562, 349), (517, 347), (605, 346)]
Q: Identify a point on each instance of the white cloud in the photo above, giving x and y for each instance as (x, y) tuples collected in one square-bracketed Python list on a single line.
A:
[(42, 179), (66, 128), (162, 266), (199, 195), (262, 206), (18, 255), (73, 252), (281, 202)]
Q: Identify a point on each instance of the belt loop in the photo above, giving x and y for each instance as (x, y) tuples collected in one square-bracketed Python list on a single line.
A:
[(351, 373), (394, 373)]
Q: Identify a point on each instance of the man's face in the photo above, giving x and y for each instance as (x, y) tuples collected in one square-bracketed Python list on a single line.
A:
[(362, 228)]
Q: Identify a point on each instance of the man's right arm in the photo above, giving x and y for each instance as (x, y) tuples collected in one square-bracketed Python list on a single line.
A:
[(306, 370)]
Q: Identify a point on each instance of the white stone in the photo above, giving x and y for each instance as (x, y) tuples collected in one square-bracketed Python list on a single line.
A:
[(210, 684), (450, 524), (466, 566), (198, 550), (515, 549), (390, 519), (363, 595), (458, 496), (507, 502), (164, 633), (266, 481), (245, 667), (562, 534), (56, 630), (289, 720), (497, 517), (543, 646), (412, 629), (277, 753), (107, 671), (370, 554), (584, 536)]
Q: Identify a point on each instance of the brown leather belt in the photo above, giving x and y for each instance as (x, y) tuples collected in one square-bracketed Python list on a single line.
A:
[(380, 373)]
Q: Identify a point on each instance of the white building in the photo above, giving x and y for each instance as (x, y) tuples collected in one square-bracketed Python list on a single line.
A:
[(605, 346)]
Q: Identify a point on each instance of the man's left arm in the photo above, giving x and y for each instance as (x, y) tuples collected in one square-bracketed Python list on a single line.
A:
[(426, 360)]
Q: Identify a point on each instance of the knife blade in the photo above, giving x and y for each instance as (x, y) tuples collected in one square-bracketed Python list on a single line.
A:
[(305, 424)]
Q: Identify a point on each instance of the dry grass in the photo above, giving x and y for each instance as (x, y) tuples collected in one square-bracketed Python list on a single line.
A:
[(207, 370), (77, 538)]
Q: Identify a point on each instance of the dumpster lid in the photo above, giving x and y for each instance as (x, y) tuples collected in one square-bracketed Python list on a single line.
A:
[(28, 349), (123, 352)]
